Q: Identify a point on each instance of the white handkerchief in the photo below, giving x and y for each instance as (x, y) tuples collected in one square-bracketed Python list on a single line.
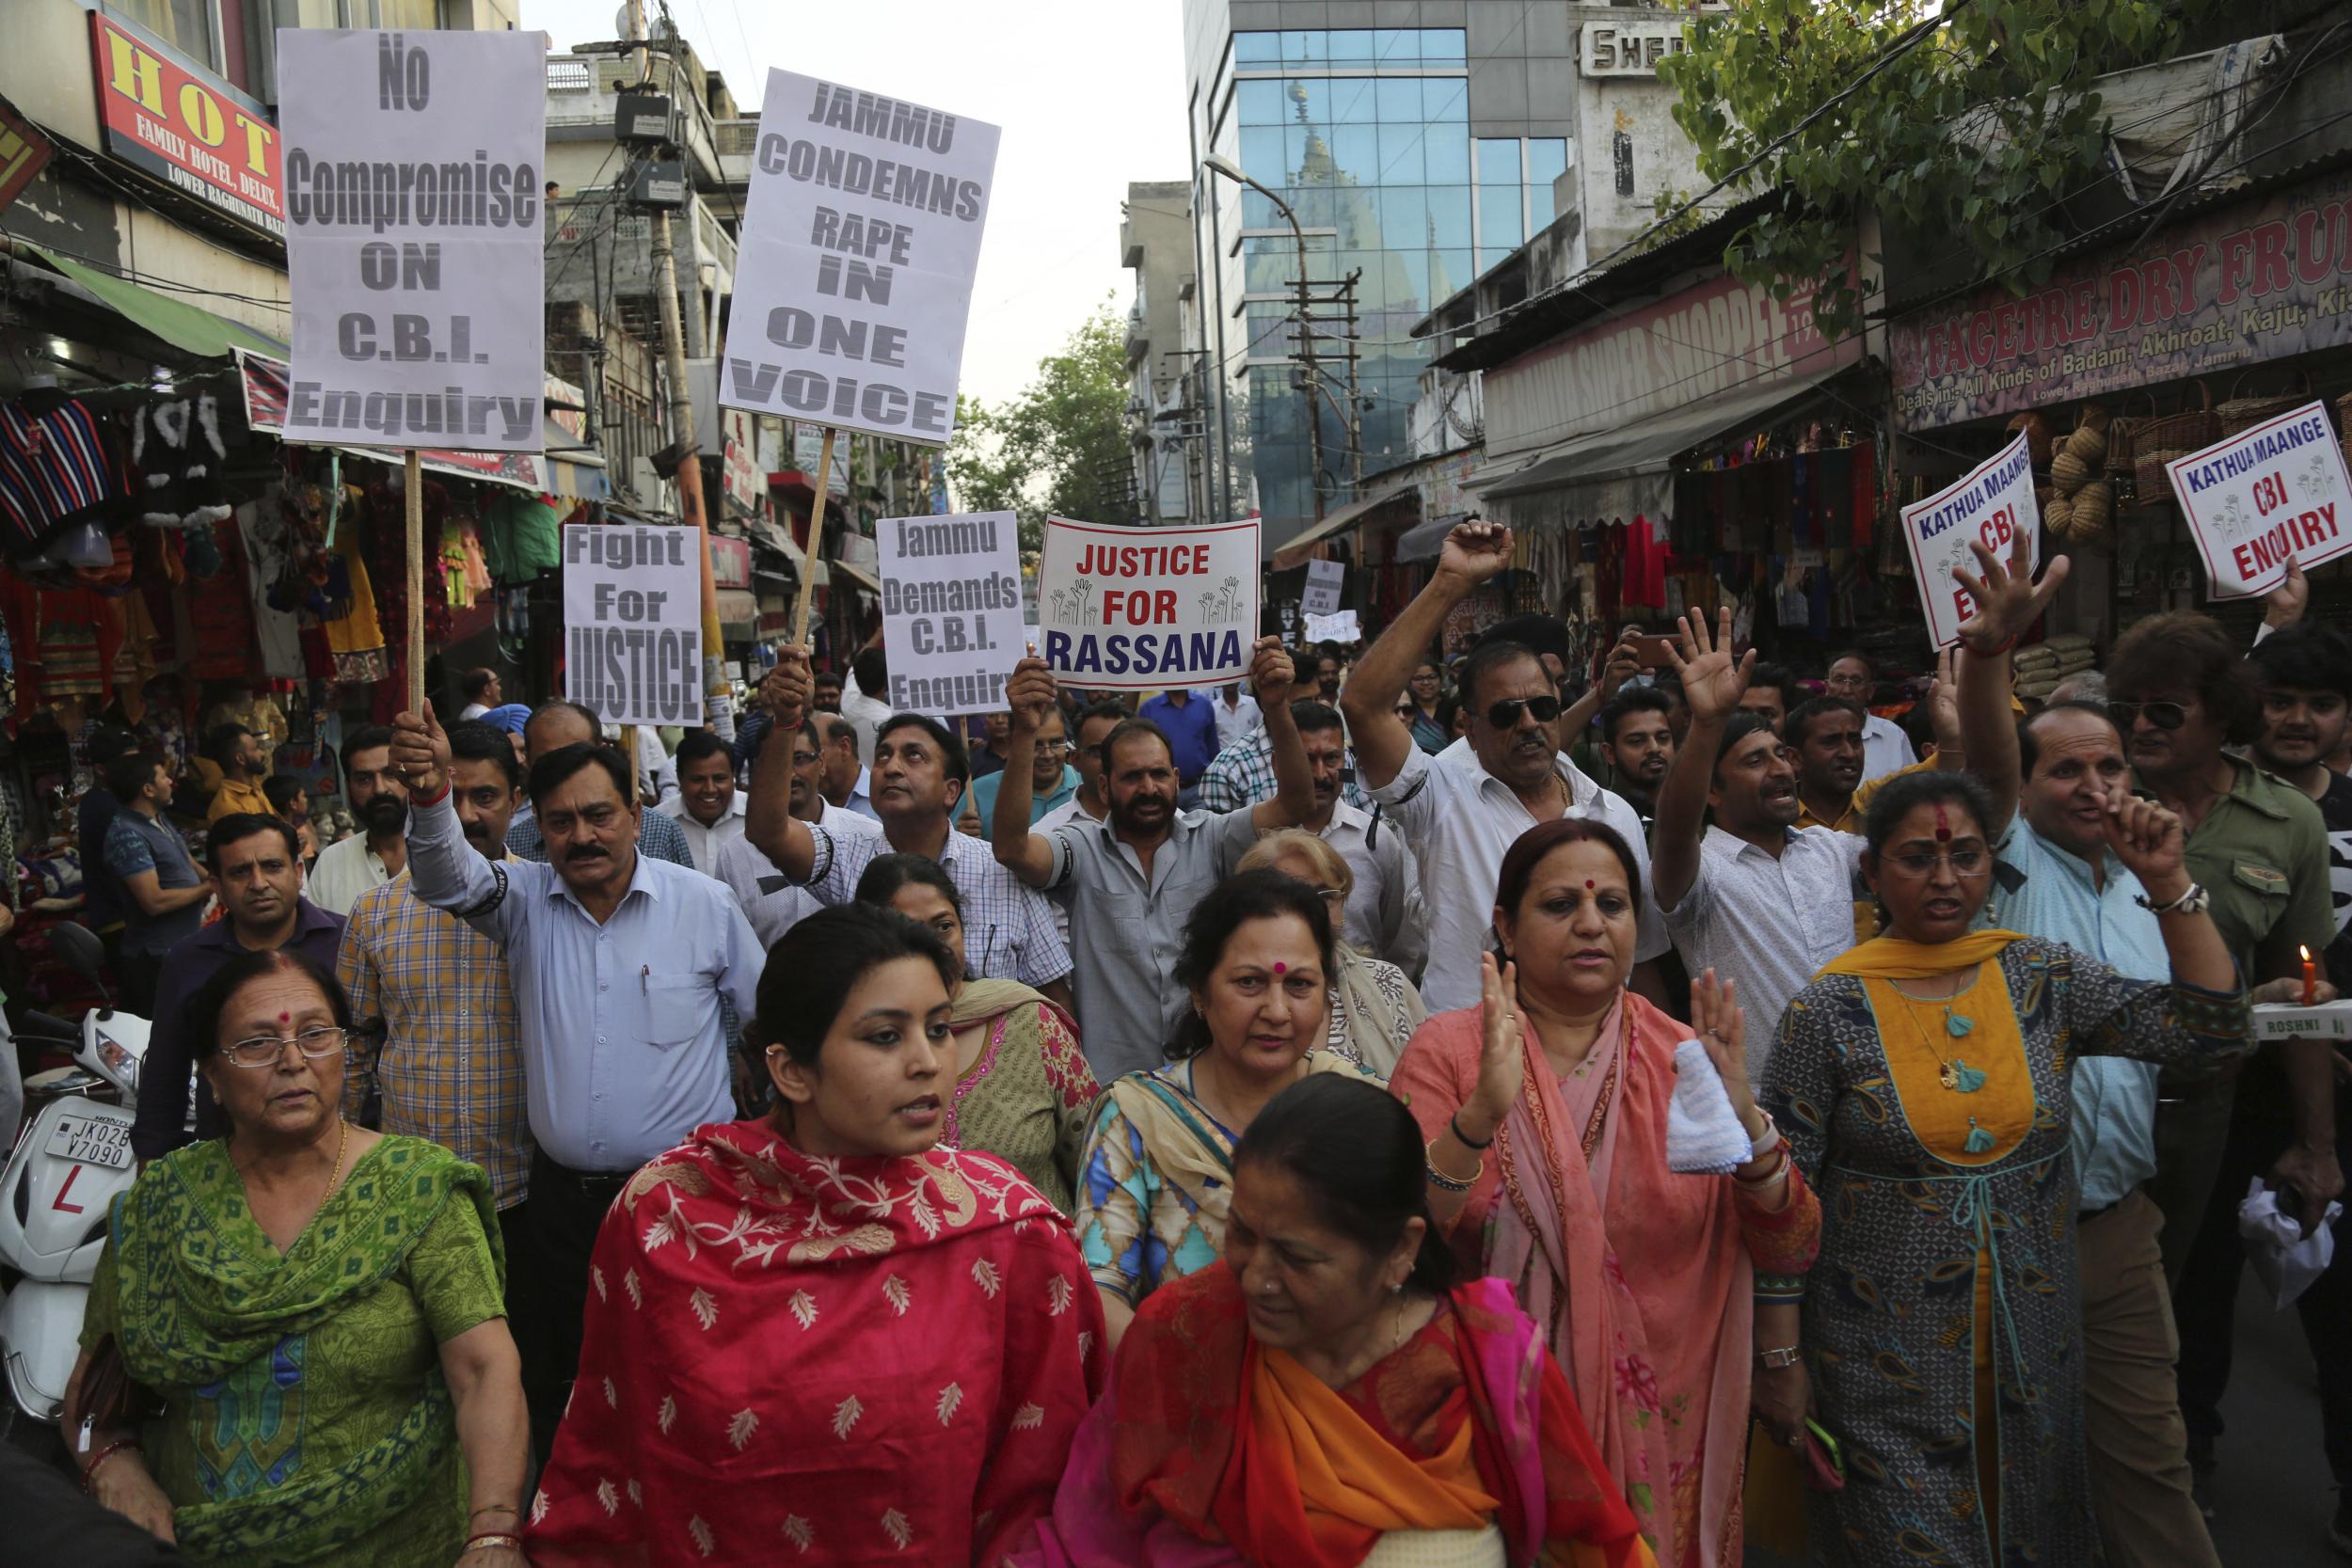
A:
[(1702, 1132), (2285, 1260)]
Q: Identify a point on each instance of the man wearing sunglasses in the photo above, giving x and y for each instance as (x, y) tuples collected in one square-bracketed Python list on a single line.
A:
[(1459, 820)]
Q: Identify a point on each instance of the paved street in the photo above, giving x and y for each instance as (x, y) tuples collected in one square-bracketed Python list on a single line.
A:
[(2272, 1496)]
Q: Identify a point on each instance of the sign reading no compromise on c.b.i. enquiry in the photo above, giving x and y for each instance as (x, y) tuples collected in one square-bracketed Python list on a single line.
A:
[(1146, 608), (1992, 505), (2266, 496)]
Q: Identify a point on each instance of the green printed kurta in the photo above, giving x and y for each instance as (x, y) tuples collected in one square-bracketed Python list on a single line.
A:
[(1891, 1313)]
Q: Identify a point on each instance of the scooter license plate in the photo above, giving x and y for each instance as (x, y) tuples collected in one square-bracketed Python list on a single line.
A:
[(92, 1140)]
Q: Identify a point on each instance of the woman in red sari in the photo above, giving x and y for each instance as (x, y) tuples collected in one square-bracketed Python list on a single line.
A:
[(1546, 1115), (815, 1336), (1323, 1396)]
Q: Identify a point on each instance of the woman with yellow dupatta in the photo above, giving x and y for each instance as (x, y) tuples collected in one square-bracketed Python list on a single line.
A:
[(1922, 1081), (1324, 1396)]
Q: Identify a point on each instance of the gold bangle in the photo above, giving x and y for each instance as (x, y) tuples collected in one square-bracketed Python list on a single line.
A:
[(1452, 1183)]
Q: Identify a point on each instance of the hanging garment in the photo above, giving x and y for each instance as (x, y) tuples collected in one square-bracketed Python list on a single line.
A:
[(1866, 493), (57, 468), (522, 537), (179, 455), (262, 526), (353, 635)]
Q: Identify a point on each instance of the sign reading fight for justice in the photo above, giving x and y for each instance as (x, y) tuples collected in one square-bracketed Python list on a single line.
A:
[(951, 610), (633, 619), (1991, 505), (1144, 608), (413, 166), (854, 276), (2264, 497)]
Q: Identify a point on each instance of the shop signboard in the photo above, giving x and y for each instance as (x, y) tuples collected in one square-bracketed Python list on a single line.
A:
[(415, 237), (2267, 495), (1992, 505), (730, 562), (951, 609), (164, 114), (854, 281), (2253, 281), (1146, 608), (24, 151), (740, 479), (633, 622)]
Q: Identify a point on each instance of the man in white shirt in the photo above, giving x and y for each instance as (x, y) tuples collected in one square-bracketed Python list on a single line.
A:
[(379, 800), (1383, 911), (1460, 821), (480, 688), (1885, 747), (865, 699), (1237, 713), (771, 901), (706, 805)]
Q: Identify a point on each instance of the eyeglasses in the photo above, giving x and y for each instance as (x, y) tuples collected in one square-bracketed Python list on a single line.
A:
[(2164, 716), (1966, 864), (1845, 683), (1504, 715), (1053, 745), (1332, 895), (268, 1049)]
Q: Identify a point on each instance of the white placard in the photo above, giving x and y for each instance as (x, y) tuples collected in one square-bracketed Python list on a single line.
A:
[(861, 235), (633, 622), (1338, 627), (415, 230), (1145, 609), (2264, 497), (1322, 593), (1992, 504), (951, 610)]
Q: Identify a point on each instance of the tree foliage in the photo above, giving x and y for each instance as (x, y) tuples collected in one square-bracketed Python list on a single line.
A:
[(1061, 446), (1977, 132)]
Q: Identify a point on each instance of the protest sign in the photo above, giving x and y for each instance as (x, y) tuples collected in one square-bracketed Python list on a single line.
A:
[(1339, 627), (413, 166), (1322, 596), (1992, 504), (633, 619), (2264, 497), (951, 610), (1144, 608), (861, 235)]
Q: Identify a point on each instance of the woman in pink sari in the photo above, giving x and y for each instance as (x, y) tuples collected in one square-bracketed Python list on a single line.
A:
[(1546, 1112)]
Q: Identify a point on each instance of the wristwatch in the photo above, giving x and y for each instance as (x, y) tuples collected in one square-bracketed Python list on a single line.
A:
[(2195, 901), (1781, 1355)]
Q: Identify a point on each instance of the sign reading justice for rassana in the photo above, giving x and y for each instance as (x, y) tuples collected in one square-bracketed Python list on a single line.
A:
[(1145, 609)]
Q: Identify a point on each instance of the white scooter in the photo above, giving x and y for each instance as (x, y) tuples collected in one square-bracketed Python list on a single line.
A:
[(70, 1164)]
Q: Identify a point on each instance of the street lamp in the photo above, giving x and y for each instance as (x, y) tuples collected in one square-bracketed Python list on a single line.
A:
[(1217, 163)]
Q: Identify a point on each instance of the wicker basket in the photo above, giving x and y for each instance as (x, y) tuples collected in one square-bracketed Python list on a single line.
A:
[(2124, 434), (2057, 518), (2093, 514), (2069, 472), (2237, 413), (2166, 436), (2089, 443), (2037, 431)]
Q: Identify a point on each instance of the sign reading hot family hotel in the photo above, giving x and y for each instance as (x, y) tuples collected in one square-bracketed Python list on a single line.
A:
[(2264, 497), (951, 610), (1144, 608), (413, 165), (854, 281)]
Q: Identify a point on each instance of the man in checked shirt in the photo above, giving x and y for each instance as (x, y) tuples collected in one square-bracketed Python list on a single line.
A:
[(437, 1043)]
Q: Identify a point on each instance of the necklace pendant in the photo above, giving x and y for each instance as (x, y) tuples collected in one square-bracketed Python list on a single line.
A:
[(1948, 1078)]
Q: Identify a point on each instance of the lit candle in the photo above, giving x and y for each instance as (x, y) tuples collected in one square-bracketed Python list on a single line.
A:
[(2310, 980)]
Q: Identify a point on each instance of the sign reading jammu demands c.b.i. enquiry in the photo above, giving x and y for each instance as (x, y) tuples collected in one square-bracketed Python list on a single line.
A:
[(633, 622), (415, 228), (1991, 505), (951, 610), (1146, 608), (2266, 496), (854, 281)]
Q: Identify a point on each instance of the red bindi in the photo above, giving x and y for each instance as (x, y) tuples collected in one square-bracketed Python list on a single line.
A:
[(1281, 969), (1942, 825), (1589, 884)]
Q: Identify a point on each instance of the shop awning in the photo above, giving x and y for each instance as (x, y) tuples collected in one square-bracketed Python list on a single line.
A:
[(1422, 540), (860, 576), (190, 329), (771, 534), (1614, 476), (1344, 520), (739, 613)]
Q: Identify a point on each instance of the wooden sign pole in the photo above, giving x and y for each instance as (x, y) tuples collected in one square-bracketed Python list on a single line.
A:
[(414, 487), (815, 538)]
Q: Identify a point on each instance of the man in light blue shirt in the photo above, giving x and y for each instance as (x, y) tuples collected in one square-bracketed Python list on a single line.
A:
[(619, 963), (2051, 776), (1053, 783)]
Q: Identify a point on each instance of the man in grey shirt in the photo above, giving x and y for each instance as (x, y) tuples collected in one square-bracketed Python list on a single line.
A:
[(1134, 878)]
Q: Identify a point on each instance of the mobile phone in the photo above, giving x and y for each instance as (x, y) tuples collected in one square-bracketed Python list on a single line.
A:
[(1827, 1446), (1651, 651)]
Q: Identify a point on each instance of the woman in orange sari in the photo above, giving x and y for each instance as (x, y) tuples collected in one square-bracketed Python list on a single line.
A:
[(1324, 1396), (1546, 1112)]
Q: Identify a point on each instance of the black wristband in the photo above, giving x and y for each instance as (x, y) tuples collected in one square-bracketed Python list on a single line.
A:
[(1453, 1125)]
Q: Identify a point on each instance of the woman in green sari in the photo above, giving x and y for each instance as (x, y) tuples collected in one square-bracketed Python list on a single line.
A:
[(316, 1308)]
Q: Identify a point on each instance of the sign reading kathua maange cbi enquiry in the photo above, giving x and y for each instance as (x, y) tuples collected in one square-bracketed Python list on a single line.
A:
[(2266, 496), (951, 610), (853, 278), (414, 233), (633, 622), (1146, 608), (1990, 505)]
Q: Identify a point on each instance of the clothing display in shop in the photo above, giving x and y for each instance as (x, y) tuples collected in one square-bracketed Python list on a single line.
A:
[(178, 455), (220, 614), (522, 537), (354, 635), (266, 535), (57, 468)]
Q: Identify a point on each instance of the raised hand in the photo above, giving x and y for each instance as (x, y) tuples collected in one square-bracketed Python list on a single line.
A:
[(1032, 695), (1713, 680), (1943, 702), (1722, 1027), (419, 752), (2007, 600), (1500, 1064), (1271, 672), (789, 689), (1624, 662), (2285, 604), (2150, 842), (1474, 551)]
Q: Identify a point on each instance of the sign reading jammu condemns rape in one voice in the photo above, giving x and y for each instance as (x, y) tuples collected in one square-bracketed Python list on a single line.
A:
[(854, 276), (633, 619), (2264, 497), (1991, 505), (1144, 608), (414, 233), (951, 610)]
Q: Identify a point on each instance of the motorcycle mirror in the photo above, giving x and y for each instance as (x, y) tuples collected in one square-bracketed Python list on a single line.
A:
[(85, 956)]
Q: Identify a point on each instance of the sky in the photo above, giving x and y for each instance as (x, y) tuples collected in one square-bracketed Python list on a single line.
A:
[(1090, 94)]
